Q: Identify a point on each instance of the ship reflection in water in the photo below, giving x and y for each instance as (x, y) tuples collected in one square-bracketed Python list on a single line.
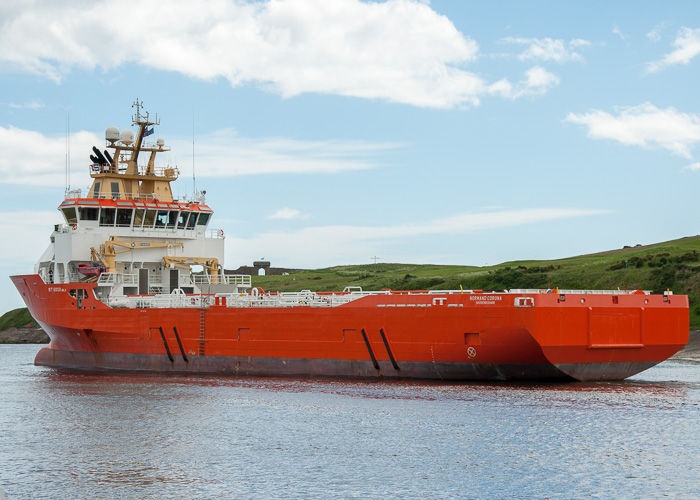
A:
[(81, 435)]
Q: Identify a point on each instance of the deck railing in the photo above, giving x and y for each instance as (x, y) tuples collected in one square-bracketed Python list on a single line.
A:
[(258, 299), (115, 278), (240, 280)]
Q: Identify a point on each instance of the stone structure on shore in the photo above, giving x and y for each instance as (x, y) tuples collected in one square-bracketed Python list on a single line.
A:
[(259, 265)]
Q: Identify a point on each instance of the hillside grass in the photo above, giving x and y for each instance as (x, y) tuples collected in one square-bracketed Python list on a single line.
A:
[(673, 265), (17, 318)]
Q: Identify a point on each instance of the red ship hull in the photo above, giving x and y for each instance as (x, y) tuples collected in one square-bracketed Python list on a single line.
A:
[(469, 336)]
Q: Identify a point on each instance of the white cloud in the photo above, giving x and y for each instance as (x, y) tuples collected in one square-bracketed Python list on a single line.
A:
[(548, 49), (322, 246), (687, 45), (644, 125), (399, 50), (655, 34), (579, 42), (27, 105), (616, 31), (31, 158), (694, 166), (226, 154), (287, 214), (537, 81)]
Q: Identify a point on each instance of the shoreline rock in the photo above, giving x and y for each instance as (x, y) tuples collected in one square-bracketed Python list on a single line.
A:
[(24, 336), (691, 352)]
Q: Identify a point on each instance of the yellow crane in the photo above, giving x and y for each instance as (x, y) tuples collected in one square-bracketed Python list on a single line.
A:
[(210, 264), (108, 251)]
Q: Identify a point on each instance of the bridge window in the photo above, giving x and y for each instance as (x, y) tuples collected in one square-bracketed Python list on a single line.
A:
[(150, 218), (192, 221), (107, 216), (138, 217), (124, 217), (203, 219), (88, 213), (115, 190), (172, 219), (162, 218), (69, 214), (96, 190), (182, 220)]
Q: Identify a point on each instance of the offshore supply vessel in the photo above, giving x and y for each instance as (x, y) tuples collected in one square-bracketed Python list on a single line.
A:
[(134, 280)]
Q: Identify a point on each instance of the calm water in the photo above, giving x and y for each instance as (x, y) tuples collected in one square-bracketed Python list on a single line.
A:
[(79, 435)]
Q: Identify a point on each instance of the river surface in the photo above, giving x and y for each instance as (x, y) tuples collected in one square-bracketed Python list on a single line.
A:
[(83, 435)]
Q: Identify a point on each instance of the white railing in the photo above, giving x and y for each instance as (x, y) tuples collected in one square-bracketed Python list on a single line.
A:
[(259, 299), (137, 196), (73, 194), (176, 299), (239, 280), (159, 171), (294, 299), (197, 197), (561, 291), (115, 278), (217, 234)]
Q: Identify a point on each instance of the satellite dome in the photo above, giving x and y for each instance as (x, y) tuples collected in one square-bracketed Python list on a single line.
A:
[(112, 134), (160, 142), (127, 136)]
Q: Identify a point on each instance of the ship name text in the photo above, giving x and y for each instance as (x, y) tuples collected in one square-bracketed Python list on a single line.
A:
[(485, 299)]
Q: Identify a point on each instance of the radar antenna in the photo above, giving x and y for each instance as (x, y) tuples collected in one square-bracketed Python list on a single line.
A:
[(138, 106)]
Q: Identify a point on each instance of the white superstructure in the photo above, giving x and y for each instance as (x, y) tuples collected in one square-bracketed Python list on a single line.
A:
[(129, 234)]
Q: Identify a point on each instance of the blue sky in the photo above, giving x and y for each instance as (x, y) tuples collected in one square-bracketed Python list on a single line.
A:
[(330, 132)]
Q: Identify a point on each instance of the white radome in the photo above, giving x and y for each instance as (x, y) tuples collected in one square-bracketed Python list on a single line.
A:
[(127, 136), (112, 134)]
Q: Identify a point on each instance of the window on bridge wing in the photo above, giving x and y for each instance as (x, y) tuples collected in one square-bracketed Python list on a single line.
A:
[(69, 214), (124, 217), (203, 219)]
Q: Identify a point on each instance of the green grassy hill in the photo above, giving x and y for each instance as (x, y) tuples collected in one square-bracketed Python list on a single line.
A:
[(671, 265), (16, 318)]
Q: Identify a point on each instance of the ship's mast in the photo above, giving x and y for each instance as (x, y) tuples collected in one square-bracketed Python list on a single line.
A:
[(111, 181)]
